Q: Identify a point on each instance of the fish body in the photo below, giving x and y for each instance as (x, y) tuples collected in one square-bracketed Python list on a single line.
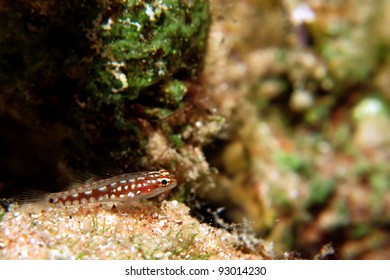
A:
[(129, 187)]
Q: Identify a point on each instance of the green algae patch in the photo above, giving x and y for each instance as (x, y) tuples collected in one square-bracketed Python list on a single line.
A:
[(142, 43), (289, 161), (320, 191)]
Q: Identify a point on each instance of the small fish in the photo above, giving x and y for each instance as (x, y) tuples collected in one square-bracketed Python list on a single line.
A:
[(126, 188)]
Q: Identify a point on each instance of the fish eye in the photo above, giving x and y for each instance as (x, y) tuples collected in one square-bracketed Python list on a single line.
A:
[(164, 182)]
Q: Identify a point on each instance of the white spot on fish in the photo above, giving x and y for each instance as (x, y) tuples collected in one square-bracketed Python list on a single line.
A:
[(130, 194)]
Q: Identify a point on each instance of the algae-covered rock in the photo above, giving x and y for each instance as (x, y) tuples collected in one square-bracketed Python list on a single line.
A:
[(141, 43), (83, 83)]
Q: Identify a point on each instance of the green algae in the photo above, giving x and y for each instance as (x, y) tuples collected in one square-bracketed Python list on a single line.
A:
[(289, 161), (320, 191), (145, 43), (173, 92)]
